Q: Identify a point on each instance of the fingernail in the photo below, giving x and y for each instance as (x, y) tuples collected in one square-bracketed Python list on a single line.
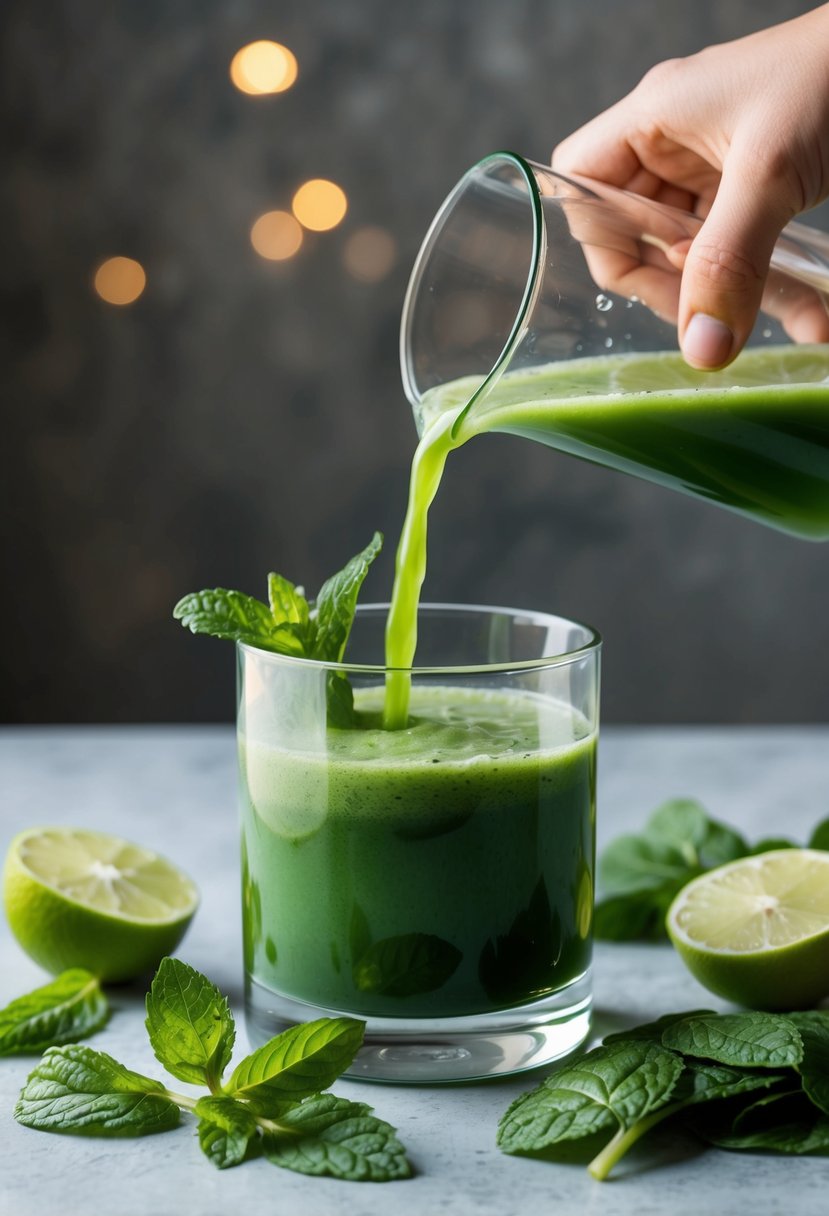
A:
[(707, 342)]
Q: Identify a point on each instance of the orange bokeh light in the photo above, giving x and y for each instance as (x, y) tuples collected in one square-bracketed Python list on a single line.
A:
[(319, 204), (276, 236), (369, 254), (263, 67), (120, 280)]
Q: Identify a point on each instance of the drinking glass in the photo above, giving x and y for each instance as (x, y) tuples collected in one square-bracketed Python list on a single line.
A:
[(436, 881)]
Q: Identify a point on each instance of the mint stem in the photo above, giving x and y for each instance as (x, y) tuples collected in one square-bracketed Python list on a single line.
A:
[(613, 1152), (181, 1100)]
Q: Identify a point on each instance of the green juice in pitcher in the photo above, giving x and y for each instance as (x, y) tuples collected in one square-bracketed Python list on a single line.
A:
[(753, 438)]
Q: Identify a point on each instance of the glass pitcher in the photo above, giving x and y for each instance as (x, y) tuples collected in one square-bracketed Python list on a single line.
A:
[(546, 306)]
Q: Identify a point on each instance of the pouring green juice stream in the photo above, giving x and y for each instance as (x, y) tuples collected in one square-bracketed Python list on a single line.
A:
[(730, 437)]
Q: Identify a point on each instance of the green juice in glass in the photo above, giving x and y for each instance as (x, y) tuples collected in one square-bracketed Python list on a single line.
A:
[(437, 871)]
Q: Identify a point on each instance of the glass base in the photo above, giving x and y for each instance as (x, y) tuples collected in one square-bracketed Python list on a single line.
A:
[(405, 1051)]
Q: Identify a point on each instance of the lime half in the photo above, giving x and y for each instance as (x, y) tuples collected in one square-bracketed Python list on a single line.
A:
[(756, 931), (77, 898)]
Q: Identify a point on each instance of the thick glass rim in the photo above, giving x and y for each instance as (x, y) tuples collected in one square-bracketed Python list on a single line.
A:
[(529, 616), (532, 286)]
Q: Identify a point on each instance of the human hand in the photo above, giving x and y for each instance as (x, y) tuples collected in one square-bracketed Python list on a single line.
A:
[(739, 135)]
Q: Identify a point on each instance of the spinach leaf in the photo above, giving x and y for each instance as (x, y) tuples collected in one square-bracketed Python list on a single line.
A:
[(751, 1040), (612, 1086)]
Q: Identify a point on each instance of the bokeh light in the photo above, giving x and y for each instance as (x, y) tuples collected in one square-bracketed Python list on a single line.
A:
[(319, 204), (369, 254), (120, 280), (263, 67), (276, 235)]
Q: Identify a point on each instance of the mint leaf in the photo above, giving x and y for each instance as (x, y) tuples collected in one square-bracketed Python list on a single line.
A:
[(69, 1008), (337, 602), (226, 1130), (406, 965), (613, 1086), (237, 618), (752, 1040), (189, 1023), (819, 838), (299, 1062), (86, 1093), (814, 1067), (288, 604), (330, 1135)]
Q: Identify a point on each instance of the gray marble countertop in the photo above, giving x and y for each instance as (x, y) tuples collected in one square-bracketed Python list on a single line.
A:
[(174, 789)]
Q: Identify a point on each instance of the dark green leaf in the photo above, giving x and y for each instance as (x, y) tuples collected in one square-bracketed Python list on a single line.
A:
[(814, 1067), (751, 1040), (226, 1129), (339, 701), (653, 1030), (633, 863), (522, 959), (703, 841), (298, 1062), (703, 1081), (819, 838), (69, 1008), (636, 915), (238, 618), (86, 1093), (336, 603), (681, 822), (406, 965), (609, 1087), (787, 1105), (189, 1023), (784, 1123), (770, 844), (329, 1135)]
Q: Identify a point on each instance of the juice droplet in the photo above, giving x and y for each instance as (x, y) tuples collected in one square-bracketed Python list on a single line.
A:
[(767, 332), (608, 342), (603, 303)]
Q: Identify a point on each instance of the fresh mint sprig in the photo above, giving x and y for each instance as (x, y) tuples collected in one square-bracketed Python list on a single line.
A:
[(640, 873), (668, 1069), (289, 623), (65, 1010), (271, 1104)]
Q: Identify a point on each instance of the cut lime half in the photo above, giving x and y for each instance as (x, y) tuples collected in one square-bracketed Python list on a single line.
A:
[(756, 931), (77, 898)]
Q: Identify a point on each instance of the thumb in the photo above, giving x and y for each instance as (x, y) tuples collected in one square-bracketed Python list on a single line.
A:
[(727, 263)]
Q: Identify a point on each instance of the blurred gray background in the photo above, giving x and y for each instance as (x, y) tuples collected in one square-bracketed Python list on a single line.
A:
[(246, 415)]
